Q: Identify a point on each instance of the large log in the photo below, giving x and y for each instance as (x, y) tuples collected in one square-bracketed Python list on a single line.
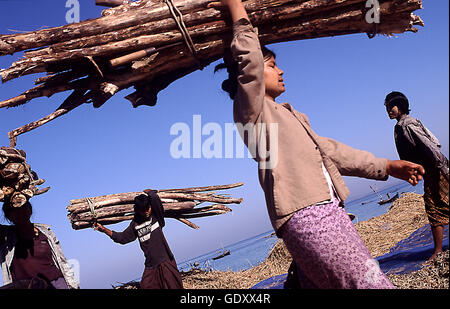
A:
[(77, 98), (140, 12), (10, 44), (166, 32), (79, 56), (179, 204), (294, 31)]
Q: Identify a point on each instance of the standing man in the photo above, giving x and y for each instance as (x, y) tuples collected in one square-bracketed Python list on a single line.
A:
[(161, 270), (416, 143)]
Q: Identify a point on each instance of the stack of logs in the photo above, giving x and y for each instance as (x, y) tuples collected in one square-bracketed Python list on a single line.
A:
[(180, 204), (18, 183), (148, 44)]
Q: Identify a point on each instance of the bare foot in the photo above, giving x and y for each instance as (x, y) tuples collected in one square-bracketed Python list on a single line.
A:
[(433, 256)]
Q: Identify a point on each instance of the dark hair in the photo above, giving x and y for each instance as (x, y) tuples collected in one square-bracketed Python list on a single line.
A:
[(141, 204), (398, 99), (8, 207), (230, 85)]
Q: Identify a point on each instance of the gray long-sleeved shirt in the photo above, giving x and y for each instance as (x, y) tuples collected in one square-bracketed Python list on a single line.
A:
[(417, 144)]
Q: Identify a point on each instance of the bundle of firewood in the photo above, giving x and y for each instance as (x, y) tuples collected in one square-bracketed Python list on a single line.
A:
[(180, 204), (18, 183), (148, 44)]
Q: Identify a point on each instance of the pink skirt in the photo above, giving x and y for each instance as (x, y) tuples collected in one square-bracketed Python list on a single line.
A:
[(329, 252)]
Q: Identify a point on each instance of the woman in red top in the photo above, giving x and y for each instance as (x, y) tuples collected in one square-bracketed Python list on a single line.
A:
[(31, 254)]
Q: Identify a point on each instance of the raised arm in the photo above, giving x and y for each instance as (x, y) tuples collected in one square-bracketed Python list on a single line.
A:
[(236, 8), (157, 206), (360, 163), (249, 61)]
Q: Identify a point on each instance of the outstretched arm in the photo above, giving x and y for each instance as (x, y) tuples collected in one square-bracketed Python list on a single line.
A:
[(246, 64), (124, 237), (101, 228), (354, 162)]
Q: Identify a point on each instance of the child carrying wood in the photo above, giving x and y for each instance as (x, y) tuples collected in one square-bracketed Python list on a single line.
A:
[(161, 270), (304, 189)]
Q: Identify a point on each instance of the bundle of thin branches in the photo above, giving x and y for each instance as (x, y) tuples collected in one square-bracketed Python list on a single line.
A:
[(18, 183), (148, 44), (180, 204)]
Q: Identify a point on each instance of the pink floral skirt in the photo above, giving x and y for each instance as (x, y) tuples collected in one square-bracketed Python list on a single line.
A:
[(329, 252)]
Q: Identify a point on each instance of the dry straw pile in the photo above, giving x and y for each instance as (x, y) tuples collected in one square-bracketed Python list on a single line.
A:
[(381, 233), (277, 263), (406, 215)]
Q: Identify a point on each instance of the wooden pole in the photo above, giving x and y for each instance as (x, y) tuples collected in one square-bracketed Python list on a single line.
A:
[(10, 44), (122, 50), (73, 101), (302, 13), (181, 205)]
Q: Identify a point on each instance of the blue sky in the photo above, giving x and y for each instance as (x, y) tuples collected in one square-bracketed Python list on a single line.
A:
[(340, 83)]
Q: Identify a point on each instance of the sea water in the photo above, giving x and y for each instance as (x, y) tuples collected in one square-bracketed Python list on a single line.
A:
[(250, 252), (243, 255), (367, 207)]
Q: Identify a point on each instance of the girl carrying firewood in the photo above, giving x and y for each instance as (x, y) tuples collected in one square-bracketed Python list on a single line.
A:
[(161, 270), (303, 187)]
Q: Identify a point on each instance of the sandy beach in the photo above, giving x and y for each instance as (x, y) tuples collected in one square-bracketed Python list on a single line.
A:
[(381, 233)]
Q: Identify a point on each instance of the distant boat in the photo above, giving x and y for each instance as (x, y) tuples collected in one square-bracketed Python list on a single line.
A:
[(224, 253), (389, 199), (385, 201)]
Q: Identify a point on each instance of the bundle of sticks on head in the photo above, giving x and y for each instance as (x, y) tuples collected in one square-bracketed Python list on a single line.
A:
[(18, 183), (148, 44), (181, 204)]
